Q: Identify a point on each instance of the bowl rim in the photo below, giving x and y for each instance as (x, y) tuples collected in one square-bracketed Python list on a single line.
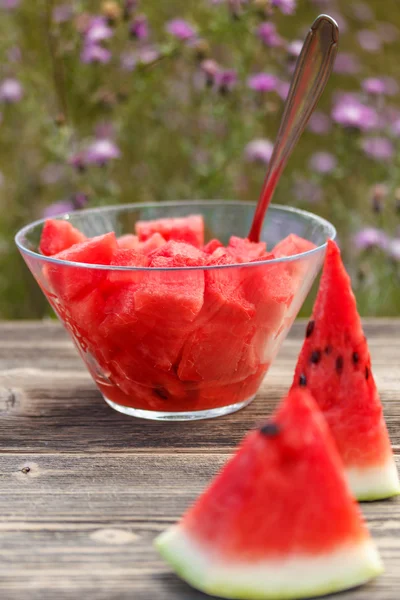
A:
[(21, 234)]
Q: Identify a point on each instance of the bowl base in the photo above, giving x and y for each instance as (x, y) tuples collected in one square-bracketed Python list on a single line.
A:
[(193, 415)]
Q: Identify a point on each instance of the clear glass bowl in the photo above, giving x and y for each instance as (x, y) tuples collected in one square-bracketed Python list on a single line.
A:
[(180, 343)]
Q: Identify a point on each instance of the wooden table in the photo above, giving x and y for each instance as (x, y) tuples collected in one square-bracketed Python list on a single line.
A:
[(84, 489)]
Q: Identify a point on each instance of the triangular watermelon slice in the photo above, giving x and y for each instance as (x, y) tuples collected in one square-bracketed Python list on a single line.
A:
[(335, 366), (279, 521), (58, 235)]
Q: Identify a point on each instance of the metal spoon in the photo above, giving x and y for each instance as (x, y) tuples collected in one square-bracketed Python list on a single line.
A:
[(312, 72)]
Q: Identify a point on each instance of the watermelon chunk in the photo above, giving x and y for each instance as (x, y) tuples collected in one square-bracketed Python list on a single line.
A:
[(335, 365), (128, 241), (152, 243), (291, 245), (182, 229), (213, 351), (211, 246), (244, 251), (70, 282), (279, 520), (58, 235)]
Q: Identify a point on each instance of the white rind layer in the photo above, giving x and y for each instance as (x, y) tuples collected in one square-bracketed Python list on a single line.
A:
[(299, 576), (374, 483)]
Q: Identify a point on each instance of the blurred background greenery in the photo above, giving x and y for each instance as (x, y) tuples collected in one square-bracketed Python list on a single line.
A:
[(128, 101)]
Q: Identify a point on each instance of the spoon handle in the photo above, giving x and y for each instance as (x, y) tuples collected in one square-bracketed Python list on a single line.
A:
[(312, 72)]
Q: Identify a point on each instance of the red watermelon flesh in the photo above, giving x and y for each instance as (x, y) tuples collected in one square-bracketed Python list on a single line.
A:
[(211, 246), (335, 365), (277, 509), (125, 257), (70, 282), (291, 245), (152, 243), (183, 229), (128, 241), (58, 235), (227, 317), (244, 251)]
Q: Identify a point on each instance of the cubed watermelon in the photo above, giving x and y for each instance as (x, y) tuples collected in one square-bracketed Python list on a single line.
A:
[(244, 251), (128, 241), (183, 229), (70, 282), (58, 235)]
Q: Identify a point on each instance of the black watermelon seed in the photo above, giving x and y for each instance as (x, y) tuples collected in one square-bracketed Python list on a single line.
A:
[(302, 380), (366, 372), (328, 349), (355, 357), (339, 364), (161, 393), (315, 356), (270, 429), (310, 328)]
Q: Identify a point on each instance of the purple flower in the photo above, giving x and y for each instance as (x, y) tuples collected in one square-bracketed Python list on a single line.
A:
[(350, 112), (180, 29), (139, 28), (10, 91), (319, 123), (78, 160), (395, 128), (388, 32), (128, 61), (378, 148), (97, 30), (268, 34), (209, 68), (287, 7), (283, 89), (294, 48), (259, 150), (370, 237), (374, 85), (9, 4), (323, 162), (225, 80), (307, 191), (62, 13), (101, 151), (362, 11), (369, 40), (57, 208), (93, 53), (147, 55), (263, 82), (346, 64)]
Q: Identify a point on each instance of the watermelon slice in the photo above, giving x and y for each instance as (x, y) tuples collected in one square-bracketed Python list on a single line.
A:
[(279, 520), (335, 365), (70, 282), (58, 235), (182, 229)]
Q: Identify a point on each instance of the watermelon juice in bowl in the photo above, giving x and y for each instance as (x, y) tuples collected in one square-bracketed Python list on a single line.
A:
[(176, 315)]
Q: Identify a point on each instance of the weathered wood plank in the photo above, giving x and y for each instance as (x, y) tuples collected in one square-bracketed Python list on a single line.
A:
[(84, 524), (48, 401)]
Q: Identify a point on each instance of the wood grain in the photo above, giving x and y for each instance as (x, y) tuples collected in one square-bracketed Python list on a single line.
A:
[(84, 490)]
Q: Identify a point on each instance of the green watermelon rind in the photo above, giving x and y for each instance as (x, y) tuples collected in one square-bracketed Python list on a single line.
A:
[(374, 483), (358, 564)]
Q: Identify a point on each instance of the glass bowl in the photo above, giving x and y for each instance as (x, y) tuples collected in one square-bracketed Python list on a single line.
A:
[(185, 342)]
